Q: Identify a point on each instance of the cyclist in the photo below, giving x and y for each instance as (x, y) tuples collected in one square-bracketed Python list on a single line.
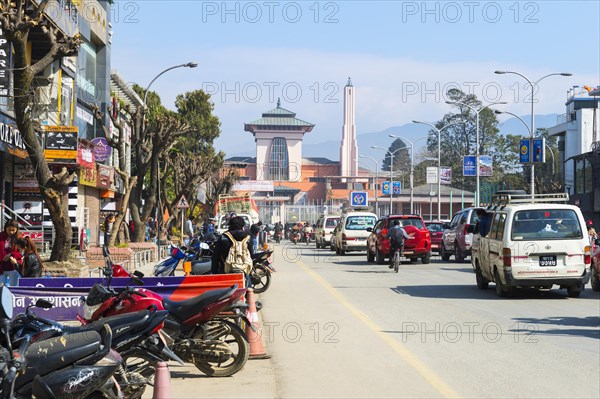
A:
[(396, 235)]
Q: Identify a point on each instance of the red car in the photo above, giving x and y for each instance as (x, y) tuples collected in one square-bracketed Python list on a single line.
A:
[(378, 247), (436, 229)]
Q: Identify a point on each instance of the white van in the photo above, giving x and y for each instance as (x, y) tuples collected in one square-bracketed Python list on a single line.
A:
[(325, 226), (351, 233), (222, 222), (537, 242)]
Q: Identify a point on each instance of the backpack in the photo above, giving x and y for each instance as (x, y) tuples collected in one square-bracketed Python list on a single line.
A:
[(238, 260), (396, 236)]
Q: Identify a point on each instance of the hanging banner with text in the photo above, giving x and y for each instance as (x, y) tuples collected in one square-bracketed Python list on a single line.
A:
[(60, 145)]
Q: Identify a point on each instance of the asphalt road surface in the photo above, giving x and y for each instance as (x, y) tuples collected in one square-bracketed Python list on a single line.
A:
[(338, 327)]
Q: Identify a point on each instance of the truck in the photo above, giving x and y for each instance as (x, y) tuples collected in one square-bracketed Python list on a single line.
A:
[(242, 205)]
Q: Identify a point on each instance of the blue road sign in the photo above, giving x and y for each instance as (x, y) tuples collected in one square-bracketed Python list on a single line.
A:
[(359, 198), (385, 188), (525, 151), (539, 150), (469, 162)]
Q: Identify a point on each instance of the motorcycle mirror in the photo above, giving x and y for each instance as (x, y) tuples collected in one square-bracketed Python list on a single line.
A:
[(138, 274), (44, 304)]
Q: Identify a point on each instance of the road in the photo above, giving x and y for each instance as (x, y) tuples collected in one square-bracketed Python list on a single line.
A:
[(339, 327)]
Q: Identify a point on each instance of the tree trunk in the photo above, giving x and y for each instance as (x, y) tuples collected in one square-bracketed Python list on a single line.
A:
[(121, 215)]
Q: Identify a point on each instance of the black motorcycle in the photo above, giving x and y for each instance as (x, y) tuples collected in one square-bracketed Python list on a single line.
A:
[(73, 366)]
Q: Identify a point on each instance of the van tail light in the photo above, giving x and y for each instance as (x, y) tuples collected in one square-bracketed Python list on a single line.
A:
[(587, 257), (506, 257), (384, 232), (465, 232), (346, 238)]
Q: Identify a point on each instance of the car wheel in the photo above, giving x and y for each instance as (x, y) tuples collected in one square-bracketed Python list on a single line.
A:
[(380, 259), (444, 253), (482, 282), (370, 256), (595, 281), (460, 257), (573, 291), (425, 259), (501, 290)]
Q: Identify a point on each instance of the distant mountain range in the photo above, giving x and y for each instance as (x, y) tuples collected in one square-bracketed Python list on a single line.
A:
[(331, 149)]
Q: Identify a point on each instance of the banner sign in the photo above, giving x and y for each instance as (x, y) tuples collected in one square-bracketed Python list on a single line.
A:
[(397, 188), (85, 155), (446, 176), (539, 150), (485, 166), (359, 198), (5, 72), (469, 162), (105, 176), (385, 188), (101, 149), (65, 293), (60, 145), (88, 176), (525, 151), (254, 185), (432, 173)]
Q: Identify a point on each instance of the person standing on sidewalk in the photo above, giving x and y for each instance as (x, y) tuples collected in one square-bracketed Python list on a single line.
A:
[(224, 243), (8, 245)]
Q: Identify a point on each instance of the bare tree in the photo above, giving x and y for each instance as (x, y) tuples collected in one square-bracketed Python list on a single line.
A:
[(18, 18)]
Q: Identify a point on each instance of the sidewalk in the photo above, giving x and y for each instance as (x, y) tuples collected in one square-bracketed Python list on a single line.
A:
[(255, 380)]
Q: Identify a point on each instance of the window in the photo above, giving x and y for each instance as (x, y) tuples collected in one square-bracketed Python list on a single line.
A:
[(278, 166), (360, 222), (548, 224), (497, 229), (418, 223), (331, 222), (583, 176)]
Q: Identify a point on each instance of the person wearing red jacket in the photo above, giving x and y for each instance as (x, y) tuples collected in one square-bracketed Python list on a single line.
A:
[(8, 249)]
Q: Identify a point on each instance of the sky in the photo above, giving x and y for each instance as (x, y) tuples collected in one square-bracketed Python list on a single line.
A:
[(402, 57)]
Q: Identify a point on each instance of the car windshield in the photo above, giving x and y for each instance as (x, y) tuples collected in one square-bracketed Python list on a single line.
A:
[(360, 222), (435, 227), (547, 224), (418, 223), (331, 222)]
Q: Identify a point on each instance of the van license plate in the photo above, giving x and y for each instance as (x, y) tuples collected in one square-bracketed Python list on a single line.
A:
[(549, 260)]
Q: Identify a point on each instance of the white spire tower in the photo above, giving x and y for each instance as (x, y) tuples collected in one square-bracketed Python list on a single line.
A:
[(349, 149)]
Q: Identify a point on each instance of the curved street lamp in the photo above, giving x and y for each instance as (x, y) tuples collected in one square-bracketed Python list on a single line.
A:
[(187, 65), (532, 130), (477, 172), (391, 172), (412, 167), (439, 174)]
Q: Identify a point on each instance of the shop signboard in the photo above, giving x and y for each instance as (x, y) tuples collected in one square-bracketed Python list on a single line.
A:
[(88, 176), (101, 149), (60, 145), (105, 176), (10, 138), (85, 155)]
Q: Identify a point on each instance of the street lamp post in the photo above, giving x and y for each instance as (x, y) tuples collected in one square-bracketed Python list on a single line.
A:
[(439, 174), (412, 167), (477, 153), (158, 218), (527, 127), (376, 181), (532, 130), (391, 171)]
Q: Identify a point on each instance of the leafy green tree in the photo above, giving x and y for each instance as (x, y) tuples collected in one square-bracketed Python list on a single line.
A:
[(401, 158)]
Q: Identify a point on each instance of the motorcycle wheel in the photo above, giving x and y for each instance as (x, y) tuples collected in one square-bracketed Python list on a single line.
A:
[(235, 338), (261, 278)]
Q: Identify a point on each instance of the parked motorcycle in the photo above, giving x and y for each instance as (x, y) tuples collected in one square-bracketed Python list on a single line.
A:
[(79, 365), (168, 266), (261, 271), (217, 346)]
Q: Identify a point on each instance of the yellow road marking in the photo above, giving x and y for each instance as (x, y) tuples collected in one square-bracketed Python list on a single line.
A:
[(427, 373)]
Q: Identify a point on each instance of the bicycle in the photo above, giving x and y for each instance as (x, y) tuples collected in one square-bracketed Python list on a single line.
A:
[(396, 259)]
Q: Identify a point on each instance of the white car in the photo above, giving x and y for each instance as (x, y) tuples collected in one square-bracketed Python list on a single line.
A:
[(351, 232), (536, 242)]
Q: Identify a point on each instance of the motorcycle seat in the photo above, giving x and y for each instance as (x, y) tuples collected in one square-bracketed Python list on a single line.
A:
[(119, 324), (183, 310), (56, 353)]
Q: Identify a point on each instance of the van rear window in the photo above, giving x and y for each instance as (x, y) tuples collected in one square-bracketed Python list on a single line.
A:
[(360, 222), (331, 222), (546, 224)]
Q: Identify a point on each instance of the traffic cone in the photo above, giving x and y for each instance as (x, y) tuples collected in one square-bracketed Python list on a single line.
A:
[(162, 382), (257, 350)]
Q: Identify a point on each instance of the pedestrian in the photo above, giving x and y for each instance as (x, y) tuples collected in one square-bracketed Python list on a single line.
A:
[(485, 222), (189, 226), (109, 222), (255, 230), (32, 264), (8, 257), (396, 235), (234, 235), (208, 229), (592, 231)]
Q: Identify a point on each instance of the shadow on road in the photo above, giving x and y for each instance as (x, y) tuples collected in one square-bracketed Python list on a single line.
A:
[(458, 269), (471, 292), (591, 322)]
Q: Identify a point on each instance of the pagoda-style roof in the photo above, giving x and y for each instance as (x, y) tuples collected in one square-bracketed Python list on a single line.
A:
[(278, 118)]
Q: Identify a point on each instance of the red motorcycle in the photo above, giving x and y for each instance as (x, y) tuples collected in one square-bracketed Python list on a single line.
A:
[(194, 330)]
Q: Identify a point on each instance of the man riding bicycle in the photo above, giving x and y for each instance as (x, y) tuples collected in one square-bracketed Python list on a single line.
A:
[(396, 235)]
